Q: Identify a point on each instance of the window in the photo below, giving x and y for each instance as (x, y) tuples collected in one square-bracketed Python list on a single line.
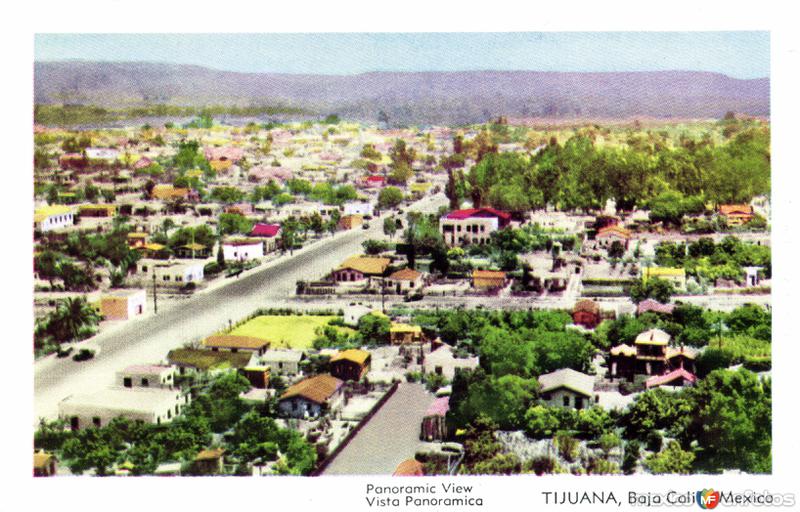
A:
[(166, 278), (178, 278), (74, 423), (127, 382), (145, 383), (96, 422), (566, 401), (169, 413)]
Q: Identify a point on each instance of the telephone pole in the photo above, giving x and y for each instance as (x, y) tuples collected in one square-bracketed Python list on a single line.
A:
[(155, 299)]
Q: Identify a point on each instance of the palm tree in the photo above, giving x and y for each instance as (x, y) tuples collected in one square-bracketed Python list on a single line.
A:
[(70, 317)]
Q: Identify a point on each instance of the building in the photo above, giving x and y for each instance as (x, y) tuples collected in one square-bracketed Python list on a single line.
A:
[(243, 249), (352, 364), (258, 376), (97, 409), (567, 388), (650, 305), (51, 218), (434, 426), (350, 221), (403, 334), (472, 226), (312, 397), (193, 359), (614, 233), (358, 268), (736, 214), (363, 208), (650, 355), (373, 181), (97, 210), (442, 361), (137, 240), (44, 464), (488, 279), (102, 155), (123, 304), (751, 277), (234, 343), (405, 280), (283, 362), (147, 376), (586, 313), (676, 378), (170, 272), (164, 192), (269, 234), (208, 462), (676, 276)]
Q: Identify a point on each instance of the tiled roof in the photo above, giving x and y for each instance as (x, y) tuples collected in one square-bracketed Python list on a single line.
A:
[(233, 341), (614, 230), (652, 305), (399, 327), (727, 209), (567, 378), (208, 359), (355, 355), (478, 212), (587, 305), (653, 337), (210, 454), (625, 350), (316, 389), (661, 380), (439, 407), (366, 264), (267, 230), (406, 274), (488, 274)]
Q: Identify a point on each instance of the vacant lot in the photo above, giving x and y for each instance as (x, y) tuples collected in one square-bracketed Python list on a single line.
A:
[(297, 331)]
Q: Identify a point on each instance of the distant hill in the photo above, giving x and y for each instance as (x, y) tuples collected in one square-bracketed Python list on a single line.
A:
[(418, 97)]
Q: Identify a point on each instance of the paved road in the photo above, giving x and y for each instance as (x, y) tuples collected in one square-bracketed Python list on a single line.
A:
[(147, 340), (390, 437)]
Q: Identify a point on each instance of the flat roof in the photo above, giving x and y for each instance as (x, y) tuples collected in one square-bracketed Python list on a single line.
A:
[(124, 399)]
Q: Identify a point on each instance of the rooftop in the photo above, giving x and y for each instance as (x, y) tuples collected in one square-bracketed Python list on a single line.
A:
[(653, 337), (234, 341), (207, 359), (355, 355), (316, 389), (567, 378), (124, 400), (366, 264)]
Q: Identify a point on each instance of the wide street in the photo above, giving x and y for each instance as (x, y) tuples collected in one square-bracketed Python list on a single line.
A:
[(148, 340)]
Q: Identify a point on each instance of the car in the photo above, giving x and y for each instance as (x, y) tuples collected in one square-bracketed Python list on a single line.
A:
[(365, 225)]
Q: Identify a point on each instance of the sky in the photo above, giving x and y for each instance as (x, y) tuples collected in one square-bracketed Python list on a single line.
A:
[(737, 54)]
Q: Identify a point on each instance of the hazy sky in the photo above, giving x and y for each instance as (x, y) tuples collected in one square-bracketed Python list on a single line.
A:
[(738, 54)]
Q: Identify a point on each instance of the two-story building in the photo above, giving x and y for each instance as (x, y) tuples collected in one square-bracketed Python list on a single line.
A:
[(169, 272), (472, 226), (147, 376), (97, 409)]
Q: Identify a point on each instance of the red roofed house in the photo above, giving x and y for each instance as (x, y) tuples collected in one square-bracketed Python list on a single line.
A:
[(586, 313), (373, 182), (472, 226), (405, 280), (679, 377), (610, 234), (312, 397), (269, 233), (736, 214), (434, 427)]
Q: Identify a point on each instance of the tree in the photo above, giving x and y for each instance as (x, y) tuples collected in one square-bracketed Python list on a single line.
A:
[(389, 226), (48, 265), (655, 288), (630, 458), (541, 422), (390, 197), (370, 153), (672, 459), (616, 249), (373, 329)]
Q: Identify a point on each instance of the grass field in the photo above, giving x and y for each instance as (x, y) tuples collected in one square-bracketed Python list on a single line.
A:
[(285, 331)]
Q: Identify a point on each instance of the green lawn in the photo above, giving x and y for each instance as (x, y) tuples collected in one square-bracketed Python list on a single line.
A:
[(285, 331)]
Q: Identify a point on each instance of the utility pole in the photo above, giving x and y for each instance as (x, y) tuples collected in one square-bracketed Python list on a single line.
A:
[(155, 299)]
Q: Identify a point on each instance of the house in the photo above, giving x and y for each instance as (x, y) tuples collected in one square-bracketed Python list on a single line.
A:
[(363, 208), (147, 376), (226, 153), (751, 277), (234, 343), (269, 234), (193, 250), (258, 376), (97, 210), (614, 233), (488, 279), (194, 359), (350, 364), (44, 464), (243, 209), (123, 304), (170, 193), (283, 362), (97, 409), (442, 361), (678, 377), (567, 388), (405, 280), (358, 268), (434, 427), (472, 226), (650, 355), (373, 181), (650, 305), (170, 272), (73, 161), (312, 397), (51, 218), (409, 467), (403, 334), (137, 240), (676, 276), (102, 155), (243, 249), (736, 214), (350, 221), (353, 313), (208, 462), (586, 313)]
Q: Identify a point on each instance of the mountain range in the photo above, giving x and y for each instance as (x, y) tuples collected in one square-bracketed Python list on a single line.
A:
[(409, 97)]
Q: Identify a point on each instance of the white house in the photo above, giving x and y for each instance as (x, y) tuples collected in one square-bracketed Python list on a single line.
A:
[(567, 388), (147, 376), (283, 362), (243, 249), (97, 409), (358, 208), (472, 226), (442, 361), (123, 304), (107, 155), (50, 218), (170, 272)]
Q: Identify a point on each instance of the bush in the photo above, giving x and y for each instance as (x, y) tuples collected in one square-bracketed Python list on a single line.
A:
[(542, 465), (654, 441), (567, 446), (212, 269), (83, 354), (63, 352)]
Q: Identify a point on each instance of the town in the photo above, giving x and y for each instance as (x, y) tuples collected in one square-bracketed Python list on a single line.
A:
[(216, 296)]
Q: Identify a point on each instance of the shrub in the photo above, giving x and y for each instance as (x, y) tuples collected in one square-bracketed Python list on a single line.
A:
[(83, 354), (542, 465), (567, 446)]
